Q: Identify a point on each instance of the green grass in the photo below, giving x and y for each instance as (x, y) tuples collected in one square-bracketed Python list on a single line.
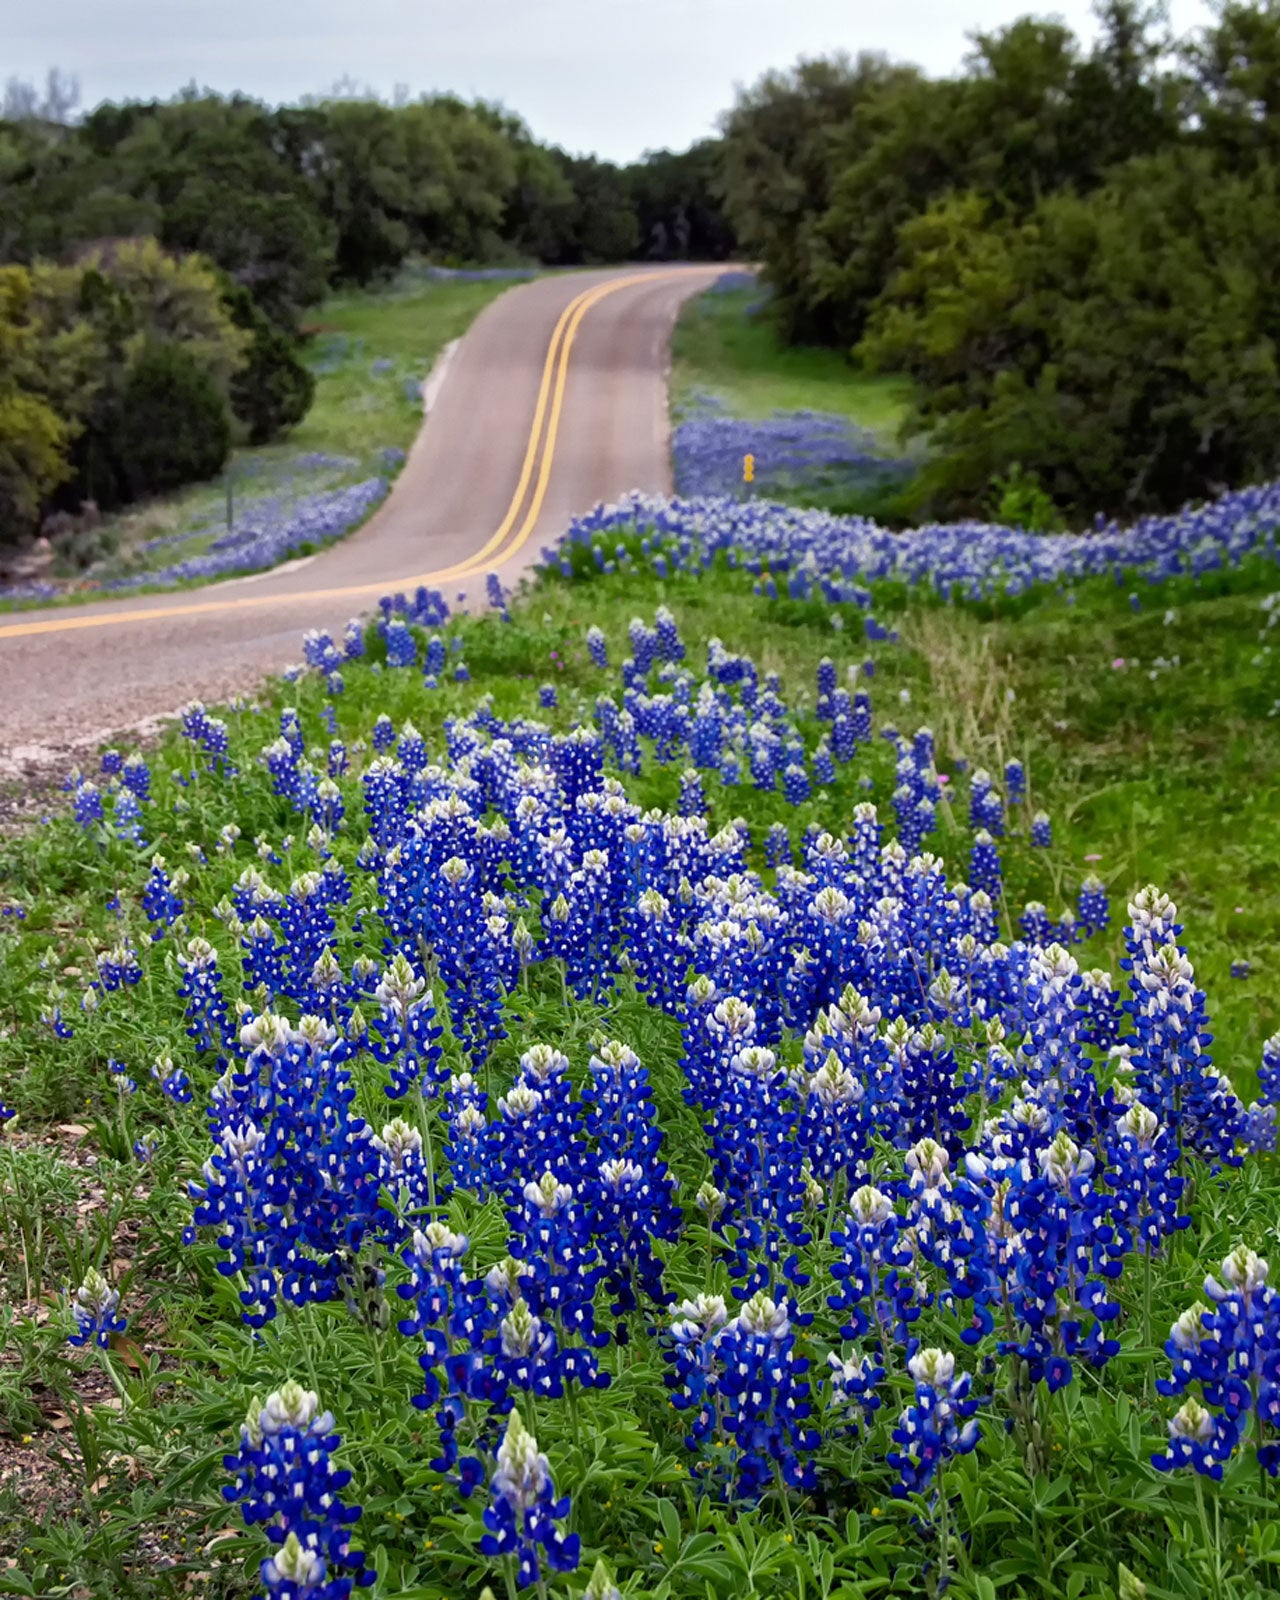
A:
[(724, 345), (409, 324)]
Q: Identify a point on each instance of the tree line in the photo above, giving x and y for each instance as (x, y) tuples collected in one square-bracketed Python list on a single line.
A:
[(259, 211), (1072, 251)]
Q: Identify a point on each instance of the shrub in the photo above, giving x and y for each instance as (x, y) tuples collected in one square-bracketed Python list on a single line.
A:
[(32, 460), (273, 390), (175, 424)]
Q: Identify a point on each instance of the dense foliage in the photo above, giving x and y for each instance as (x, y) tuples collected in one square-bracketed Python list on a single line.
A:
[(289, 201), (1069, 250), (92, 355)]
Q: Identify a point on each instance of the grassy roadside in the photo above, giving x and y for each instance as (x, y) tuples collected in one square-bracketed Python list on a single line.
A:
[(723, 344)]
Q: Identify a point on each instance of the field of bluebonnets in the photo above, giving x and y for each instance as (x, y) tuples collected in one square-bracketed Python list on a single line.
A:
[(749, 1068)]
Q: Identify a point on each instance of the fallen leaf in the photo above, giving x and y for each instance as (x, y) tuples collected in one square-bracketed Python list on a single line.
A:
[(76, 1129), (129, 1353)]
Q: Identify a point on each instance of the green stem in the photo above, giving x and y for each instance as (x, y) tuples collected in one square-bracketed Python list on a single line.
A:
[(309, 1338), (1213, 1548), (571, 1396), (785, 1497), (944, 1537), (425, 1119)]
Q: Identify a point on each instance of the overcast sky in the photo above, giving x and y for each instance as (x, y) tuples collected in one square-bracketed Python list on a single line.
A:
[(611, 76)]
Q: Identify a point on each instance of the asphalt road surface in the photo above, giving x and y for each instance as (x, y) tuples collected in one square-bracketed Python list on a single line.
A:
[(555, 400)]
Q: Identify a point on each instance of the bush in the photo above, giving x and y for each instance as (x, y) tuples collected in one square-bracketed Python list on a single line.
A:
[(32, 461), (272, 390), (175, 424)]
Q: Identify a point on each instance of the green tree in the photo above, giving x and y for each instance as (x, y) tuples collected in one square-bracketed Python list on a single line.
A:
[(272, 390), (1121, 346), (1234, 93), (604, 223), (677, 200), (33, 438), (778, 173)]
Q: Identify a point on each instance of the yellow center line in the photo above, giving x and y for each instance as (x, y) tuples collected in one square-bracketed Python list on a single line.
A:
[(555, 369)]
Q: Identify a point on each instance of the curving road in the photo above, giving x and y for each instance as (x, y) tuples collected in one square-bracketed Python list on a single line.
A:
[(555, 400)]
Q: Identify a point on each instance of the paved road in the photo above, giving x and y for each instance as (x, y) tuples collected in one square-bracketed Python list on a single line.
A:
[(554, 401)]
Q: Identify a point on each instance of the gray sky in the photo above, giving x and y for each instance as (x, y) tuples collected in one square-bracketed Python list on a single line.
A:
[(611, 76)]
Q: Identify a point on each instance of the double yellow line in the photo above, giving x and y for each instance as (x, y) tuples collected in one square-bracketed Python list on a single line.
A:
[(539, 456)]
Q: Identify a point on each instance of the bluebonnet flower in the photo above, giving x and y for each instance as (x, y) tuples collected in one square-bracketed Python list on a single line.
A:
[(409, 1032), (854, 1382), (601, 1586), (693, 801), (1169, 1056), (208, 1022), (1015, 781), (353, 640), (93, 1306), (877, 1292), (286, 1141), (777, 845), (88, 804), (120, 1071), (826, 685), (795, 784), (597, 648), (1263, 1112), (1142, 1174), (174, 1082), (160, 900), (547, 697), (551, 1241), (938, 1426), (984, 865), (745, 1387), (126, 818), (136, 777), (285, 1480), (1093, 906), (118, 967), (668, 644), (402, 648), (1041, 830), (523, 1510), (1229, 1347), (1069, 1252)]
